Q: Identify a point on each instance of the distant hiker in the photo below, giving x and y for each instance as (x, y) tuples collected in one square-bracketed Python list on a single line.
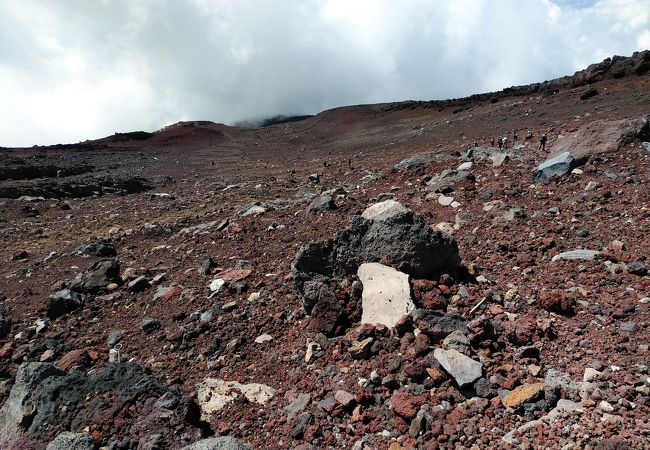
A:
[(542, 142), (492, 143), (529, 135), (500, 143), (505, 142), (514, 135)]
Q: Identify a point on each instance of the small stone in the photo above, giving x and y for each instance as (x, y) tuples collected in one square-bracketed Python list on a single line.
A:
[(630, 327), (605, 407), (591, 374), (263, 338), (215, 285), (361, 349), (139, 284), (445, 201), (417, 426), (149, 324), (344, 398), (462, 368), (523, 394), (230, 306), (534, 369)]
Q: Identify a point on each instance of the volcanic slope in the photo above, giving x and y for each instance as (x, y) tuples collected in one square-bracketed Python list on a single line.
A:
[(216, 268)]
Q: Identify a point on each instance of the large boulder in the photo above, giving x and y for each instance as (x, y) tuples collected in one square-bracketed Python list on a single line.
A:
[(601, 136), (18, 407), (386, 294), (402, 239), (45, 401)]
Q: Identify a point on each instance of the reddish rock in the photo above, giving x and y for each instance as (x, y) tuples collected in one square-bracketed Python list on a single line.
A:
[(6, 351), (407, 405), (404, 325), (522, 330), (78, 357), (557, 302), (233, 275)]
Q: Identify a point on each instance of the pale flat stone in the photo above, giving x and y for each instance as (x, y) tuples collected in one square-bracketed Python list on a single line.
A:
[(465, 166), (383, 210), (576, 254), (464, 369), (213, 394), (445, 201), (386, 294)]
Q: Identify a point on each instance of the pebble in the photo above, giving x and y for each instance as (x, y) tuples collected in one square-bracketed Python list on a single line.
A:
[(262, 338)]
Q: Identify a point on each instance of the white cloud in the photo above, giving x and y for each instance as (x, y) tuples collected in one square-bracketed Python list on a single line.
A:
[(73, 69)]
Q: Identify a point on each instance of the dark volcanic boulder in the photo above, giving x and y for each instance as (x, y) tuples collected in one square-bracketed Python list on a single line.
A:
[(63, 302), (35, 407), (403, 240), (97, 248), (97, 277)]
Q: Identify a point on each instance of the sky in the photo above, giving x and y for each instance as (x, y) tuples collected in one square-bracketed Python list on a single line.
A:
[(72, 70)]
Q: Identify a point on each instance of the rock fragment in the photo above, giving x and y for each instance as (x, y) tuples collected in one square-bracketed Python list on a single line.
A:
[(462, 368), (556, 166)]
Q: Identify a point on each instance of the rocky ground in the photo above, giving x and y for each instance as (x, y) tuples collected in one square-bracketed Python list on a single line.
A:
[(375, 276)]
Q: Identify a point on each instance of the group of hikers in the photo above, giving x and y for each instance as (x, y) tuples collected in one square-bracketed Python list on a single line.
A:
[(503, 142)]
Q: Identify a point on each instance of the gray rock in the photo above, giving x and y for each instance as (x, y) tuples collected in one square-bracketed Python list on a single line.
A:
[(462, 368), (445, 181), (630, 327), (114, 337), (417, 426), (415, 161), (97, 248), (556, 166), (646, 146), (219, 443), (457, 341), (149, 324), (139, 284), (637, 268), (72, 441), (580, 254), (438, 326), (322, 203), (63, 302), (206, 265), (297, 406), (97, 277), (404, 241)]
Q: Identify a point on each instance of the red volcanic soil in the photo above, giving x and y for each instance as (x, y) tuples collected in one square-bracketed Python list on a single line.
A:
[(583, 322)]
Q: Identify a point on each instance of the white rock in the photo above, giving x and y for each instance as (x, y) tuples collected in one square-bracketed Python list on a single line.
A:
[(445, 201), (591, 374), (386, 294), (455, 204), (262, 338), (576, 254), (465, 166), (383, 210), (606, 407), (216, 285), (213, 394)]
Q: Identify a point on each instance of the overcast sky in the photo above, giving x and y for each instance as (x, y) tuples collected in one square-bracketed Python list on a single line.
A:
[(72, 70)]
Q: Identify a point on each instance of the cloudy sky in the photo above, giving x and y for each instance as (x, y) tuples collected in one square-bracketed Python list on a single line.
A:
[(71, 70)]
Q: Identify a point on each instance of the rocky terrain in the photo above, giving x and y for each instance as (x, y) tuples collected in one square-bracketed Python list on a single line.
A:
[(374, 276)]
